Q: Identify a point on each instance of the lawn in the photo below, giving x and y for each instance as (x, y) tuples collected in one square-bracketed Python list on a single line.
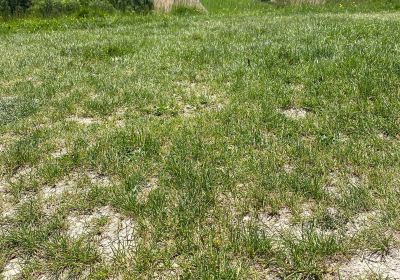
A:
[(251, 142)]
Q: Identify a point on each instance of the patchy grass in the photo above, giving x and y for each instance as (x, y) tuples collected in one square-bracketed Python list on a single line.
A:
[(228, 145)]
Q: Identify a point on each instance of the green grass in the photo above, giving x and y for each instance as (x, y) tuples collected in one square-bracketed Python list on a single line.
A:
[(206, 131)]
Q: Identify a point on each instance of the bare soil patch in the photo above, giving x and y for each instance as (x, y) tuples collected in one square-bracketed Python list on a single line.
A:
[(295, 113), (151, 185), (58, 189), (359, 267), (59, 153), (115, 236), (277, 222), (83, 120), (12, 269)]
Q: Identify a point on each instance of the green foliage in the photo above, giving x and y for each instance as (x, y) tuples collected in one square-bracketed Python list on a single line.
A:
[(125, 5), (81, 8), (84, 8), (5, 9), (54, 7), (185, 11), (14, 7)]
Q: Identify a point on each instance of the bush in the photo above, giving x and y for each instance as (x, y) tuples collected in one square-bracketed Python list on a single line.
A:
[(13, 7), (4, 8), (132, 4), (80, 7), (95, 8), (101, 6), (298, 2), (54, 7)]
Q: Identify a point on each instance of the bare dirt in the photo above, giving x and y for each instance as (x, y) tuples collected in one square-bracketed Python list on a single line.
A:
[(294, 113), (364, 265), (115, 236)]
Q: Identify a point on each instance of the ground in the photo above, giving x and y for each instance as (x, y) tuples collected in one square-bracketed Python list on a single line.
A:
[(257, 144)]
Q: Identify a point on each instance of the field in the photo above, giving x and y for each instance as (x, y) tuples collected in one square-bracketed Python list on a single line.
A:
[(251, 142)]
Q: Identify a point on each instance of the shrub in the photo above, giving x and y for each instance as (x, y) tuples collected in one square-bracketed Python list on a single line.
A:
[(132, 4), (54, 7), (95, 8), (101, 6), (80, 7), (13, 7), (4, 8)]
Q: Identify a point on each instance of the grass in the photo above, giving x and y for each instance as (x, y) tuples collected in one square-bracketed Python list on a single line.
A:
[(250, 141)]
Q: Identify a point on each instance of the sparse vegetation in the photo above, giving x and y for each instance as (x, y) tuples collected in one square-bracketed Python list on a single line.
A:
[(251, 142)]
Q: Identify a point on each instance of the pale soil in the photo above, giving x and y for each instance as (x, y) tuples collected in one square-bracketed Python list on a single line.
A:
[(115, 236), (295, 114), (12, 269), (83, 120), (363, 265), (151, 185)]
